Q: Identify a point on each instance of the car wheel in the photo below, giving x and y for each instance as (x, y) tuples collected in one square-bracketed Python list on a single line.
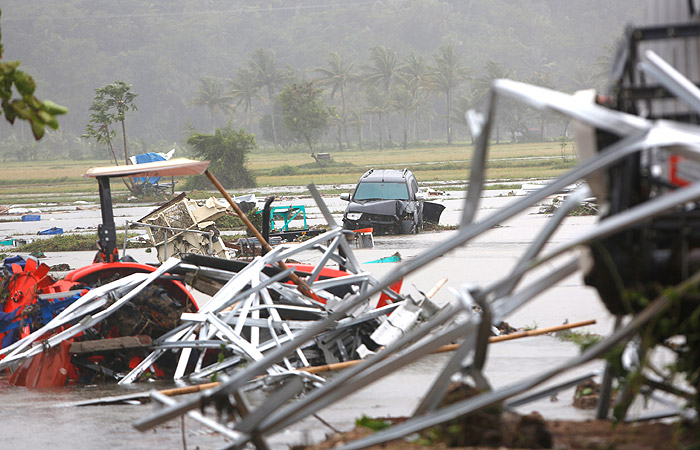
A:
[(406, 227)]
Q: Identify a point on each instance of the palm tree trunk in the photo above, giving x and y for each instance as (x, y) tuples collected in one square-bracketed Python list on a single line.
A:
[(448, 94), (345, 117), (359, 135), (405, 131), (272, 115)]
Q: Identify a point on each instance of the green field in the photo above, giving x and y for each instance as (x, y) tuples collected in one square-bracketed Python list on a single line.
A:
[(62, 181)]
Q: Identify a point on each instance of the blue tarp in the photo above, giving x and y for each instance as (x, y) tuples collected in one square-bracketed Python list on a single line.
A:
[(7, 263), (50, 231), (10, 323), (146, 158)]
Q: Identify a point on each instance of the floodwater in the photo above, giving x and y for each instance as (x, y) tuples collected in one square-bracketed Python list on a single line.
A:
[(39, 418)]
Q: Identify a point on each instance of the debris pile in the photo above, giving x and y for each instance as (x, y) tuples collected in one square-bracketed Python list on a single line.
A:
[(266, 320), (183, 226), (617, 139), (133, 321), (489, 427)]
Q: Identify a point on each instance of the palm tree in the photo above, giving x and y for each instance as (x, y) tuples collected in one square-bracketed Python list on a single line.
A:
[(212, 95), (447, 75), (263, 64), (544, 78), (482, 86), (356, 121), (376, 104), (244, 90), (461, 107), (337, 76), (413, 72), (382, 69), (402, 101), (381, 72)]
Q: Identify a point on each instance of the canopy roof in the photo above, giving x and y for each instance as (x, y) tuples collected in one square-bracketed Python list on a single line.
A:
[(173, 167)]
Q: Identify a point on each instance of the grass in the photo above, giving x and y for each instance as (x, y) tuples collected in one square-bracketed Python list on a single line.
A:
[(71, 243), (582, 339), (62, 182)]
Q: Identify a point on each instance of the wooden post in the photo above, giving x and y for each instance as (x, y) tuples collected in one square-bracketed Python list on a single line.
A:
[(303, 287)]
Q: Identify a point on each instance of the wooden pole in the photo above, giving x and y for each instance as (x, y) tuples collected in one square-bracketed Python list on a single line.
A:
[(189, 389), (437, 287), (303, 287), (452, 347), (443, 349), (521, 334)]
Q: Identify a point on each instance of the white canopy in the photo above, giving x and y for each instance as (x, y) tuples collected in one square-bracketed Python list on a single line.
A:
[(173, 167)]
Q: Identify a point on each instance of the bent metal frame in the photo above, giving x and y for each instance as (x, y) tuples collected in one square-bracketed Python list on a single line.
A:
[(497, 300)]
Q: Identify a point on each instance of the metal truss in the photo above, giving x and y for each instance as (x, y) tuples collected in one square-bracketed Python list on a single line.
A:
[(457, 321)]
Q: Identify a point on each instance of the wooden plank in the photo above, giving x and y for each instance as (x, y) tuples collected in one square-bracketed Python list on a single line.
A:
[(202, 283), (112, 344)]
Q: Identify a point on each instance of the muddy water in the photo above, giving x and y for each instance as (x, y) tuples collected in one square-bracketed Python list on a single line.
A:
[(33, 419)]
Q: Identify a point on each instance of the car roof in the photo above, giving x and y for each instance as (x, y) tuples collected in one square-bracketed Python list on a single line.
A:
[(385, 175)]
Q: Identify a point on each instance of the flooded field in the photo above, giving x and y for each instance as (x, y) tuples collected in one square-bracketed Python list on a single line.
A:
[(38, 419)]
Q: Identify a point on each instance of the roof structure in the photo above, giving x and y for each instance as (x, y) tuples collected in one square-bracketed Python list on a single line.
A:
[(173, 167)]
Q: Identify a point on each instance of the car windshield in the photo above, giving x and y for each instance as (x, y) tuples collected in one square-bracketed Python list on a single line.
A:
[(381, 191)]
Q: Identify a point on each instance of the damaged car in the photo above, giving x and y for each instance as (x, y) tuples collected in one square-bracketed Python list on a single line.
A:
[(389, 201)]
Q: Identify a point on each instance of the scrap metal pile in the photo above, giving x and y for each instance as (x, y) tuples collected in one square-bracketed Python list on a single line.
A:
[(267, 320), (183, 226), (253, 310), (643, 246)]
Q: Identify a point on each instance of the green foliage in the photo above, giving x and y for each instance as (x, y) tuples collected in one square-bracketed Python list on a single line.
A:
[(279, 133), (27, 107), (681, 317), (110, 105), (164, 51), (233, 222), (263, 65), (245, 91), (304, 114), (38, 181), (212, 95), (228, 222), (582, 340), (372, 424), (285, 169), (256, 218), (69, 243), (381, 69), (447, 75), (227, 149)]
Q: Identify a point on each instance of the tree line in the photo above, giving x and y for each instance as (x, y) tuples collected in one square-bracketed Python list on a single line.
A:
[(384, 65), (385, 100)]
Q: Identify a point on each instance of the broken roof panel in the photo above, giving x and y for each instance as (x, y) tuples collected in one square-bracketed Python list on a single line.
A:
[(173, 167)]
